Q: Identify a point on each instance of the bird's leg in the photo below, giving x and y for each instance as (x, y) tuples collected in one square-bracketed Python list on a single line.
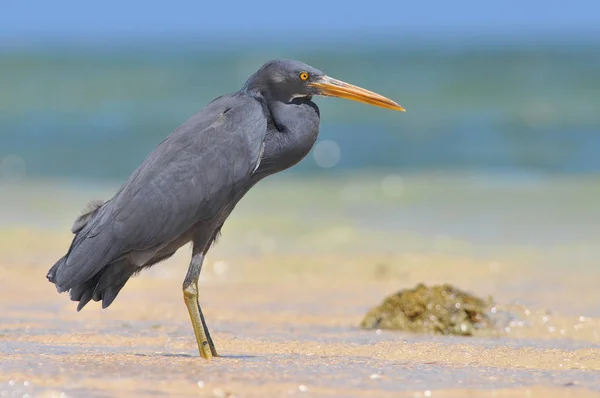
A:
[(213, 350), (190, 296)]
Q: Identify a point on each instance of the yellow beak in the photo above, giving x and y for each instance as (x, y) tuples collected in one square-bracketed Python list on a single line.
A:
[(336, 88)]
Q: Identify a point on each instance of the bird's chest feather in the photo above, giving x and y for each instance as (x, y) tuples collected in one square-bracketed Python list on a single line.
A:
[(291, 134)]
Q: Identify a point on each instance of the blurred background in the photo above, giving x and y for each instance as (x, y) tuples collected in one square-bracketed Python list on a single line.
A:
[(499, 143), (490, 181)]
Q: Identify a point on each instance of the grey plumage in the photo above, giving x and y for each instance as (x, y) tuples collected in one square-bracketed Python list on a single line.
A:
[(187, 187), (183, 191), (87, 213)]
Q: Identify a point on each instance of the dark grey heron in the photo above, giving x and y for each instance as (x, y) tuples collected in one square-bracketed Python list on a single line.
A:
[(187, 187)]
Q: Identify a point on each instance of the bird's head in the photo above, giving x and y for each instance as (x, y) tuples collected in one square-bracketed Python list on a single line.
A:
[(285, 80)]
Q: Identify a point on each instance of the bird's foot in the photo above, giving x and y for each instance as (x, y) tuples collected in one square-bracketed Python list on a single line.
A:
[(205, 350)]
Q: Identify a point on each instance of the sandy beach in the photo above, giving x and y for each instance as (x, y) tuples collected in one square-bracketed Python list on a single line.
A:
[(284, 311)]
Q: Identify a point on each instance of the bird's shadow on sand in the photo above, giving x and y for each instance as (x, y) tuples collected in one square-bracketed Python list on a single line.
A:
[(180, 355)]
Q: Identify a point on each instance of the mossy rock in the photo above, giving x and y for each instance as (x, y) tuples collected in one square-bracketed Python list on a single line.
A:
[(440, 309)]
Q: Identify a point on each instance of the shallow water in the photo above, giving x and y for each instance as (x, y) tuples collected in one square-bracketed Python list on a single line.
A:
[(526, 105), (284, 294)]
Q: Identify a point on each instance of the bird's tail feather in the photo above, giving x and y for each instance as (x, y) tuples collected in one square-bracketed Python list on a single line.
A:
[(92, 268), (105, 285), (111, 280), (51, 275)]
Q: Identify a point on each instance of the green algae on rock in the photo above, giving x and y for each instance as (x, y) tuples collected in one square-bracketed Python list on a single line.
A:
[(439, 309)]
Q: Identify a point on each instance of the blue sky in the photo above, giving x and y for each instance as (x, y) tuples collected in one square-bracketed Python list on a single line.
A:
[(82, 19)]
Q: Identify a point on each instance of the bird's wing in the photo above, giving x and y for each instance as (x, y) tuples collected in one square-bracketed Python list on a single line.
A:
[(191, 176)]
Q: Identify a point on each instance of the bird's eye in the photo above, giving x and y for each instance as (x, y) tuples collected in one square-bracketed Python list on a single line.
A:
[(303, 75)]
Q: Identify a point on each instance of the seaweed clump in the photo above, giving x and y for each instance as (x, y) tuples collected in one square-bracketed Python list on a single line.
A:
[(440, 309)]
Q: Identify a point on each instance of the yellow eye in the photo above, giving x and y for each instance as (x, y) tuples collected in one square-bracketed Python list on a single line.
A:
[(304, 75)]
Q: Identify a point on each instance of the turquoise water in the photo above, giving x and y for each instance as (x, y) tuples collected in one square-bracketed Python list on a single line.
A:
[(95, 111)]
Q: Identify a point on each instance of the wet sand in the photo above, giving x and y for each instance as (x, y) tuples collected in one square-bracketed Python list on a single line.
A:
[(286, 322), (282, 332)]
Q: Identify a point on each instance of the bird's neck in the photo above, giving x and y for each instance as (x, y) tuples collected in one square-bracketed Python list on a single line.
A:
[(294, 132)]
